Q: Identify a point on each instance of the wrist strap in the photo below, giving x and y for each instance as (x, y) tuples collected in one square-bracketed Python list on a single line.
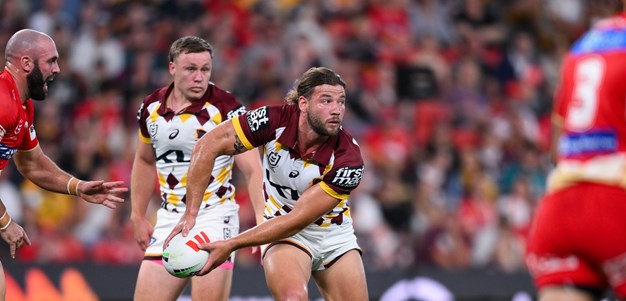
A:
[(72, 186), (3, 225)]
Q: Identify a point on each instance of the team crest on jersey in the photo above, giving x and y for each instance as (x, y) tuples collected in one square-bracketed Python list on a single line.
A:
[(227, 233), (258, 119), (348, 177), (153, 128), (273, 159)]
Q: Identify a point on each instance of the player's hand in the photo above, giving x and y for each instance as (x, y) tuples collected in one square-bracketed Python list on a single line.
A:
[(186, 223), (143, 229), (219, 251), (101, 192), (15, 236)]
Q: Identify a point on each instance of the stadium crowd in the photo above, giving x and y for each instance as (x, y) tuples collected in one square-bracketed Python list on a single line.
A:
[(449, 99)]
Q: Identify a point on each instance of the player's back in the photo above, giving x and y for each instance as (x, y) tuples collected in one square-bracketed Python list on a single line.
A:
[(590, 108)]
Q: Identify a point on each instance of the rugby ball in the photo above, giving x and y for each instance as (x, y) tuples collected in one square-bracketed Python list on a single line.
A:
[(182, 257)]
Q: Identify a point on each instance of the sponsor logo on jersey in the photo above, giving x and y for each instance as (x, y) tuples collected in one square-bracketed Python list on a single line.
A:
[(273, 159), (174, 134), (31, 132), (294, 173), (258, 119), (348, 177), (588, 143), (18, 128), (236, 112), (7, 152), (2, 132)]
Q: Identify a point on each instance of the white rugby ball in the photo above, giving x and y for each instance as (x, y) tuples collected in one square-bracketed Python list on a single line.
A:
[(182, 257)]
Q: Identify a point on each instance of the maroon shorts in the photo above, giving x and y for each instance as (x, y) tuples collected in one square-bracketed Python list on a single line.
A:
[(578, 238)]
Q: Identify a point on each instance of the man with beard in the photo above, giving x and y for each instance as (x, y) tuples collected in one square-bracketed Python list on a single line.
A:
[(31, 63), (311, 166)]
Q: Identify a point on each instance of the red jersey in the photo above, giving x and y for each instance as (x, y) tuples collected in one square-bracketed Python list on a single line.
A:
[(591, 108), (17, 131)]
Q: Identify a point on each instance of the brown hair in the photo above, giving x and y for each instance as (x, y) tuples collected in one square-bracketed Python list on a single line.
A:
[(189, 44), (310, 79)]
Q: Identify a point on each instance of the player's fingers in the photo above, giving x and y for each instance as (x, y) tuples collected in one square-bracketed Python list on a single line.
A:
[(115, 184), (12, 250), (109, 204), (115, 199), (26, 239)]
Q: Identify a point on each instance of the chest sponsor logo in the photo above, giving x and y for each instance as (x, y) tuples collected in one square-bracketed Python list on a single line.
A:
[(152, 129), (236, 112), (174, 133), (18, 128), (273, 159), (348, 177), (258, 119)]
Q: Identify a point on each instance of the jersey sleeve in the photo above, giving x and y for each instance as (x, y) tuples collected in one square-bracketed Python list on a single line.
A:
[(346, 174), (258, 126), (142, 115)]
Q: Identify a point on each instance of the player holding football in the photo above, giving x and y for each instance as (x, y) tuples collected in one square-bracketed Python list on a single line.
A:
[(577, 244), (311, 166), (31, 62), (171, 120)]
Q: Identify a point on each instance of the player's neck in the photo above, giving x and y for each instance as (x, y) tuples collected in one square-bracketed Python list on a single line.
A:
[(308, 141), (20, 82), (177, 102)]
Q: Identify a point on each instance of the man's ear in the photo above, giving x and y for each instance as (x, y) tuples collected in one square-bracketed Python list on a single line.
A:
[(27, 64), (171, 68), (302, 103)]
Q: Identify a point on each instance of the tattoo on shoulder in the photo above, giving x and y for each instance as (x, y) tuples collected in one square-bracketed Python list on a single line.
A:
[(239, 148)]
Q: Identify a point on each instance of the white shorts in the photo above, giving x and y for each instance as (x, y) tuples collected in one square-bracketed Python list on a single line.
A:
[(219, 223), (324, 245)]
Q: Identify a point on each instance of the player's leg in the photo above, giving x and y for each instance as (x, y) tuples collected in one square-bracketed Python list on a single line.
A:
[(214, 286), (287, 272), (154, 283), (344, 279)]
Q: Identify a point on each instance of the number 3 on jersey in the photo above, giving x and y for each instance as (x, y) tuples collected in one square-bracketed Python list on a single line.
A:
[(584, 105)]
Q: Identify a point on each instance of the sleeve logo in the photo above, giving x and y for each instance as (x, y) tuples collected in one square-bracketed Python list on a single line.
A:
[(236, 112), (348, 177), (258, 119)]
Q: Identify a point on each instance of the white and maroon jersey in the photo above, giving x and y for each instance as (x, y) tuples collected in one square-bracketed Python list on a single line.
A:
[(17, 131), (173, 137), (336, 166), (591, 108)]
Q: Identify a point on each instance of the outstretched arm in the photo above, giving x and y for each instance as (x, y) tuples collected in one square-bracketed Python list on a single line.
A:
[(41, 170), (222, 140), (313, 204)]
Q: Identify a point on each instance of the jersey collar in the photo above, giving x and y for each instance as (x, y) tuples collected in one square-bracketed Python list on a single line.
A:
[(195, 106)]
